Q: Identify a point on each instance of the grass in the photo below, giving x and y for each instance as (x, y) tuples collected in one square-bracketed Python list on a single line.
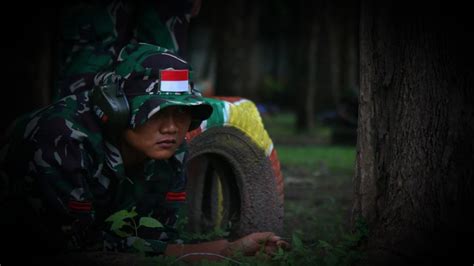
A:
[(318, 198), (282, 130), (336, 159), (318, 190)]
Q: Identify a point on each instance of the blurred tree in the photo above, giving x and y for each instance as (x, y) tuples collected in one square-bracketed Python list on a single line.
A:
[(28, 48), (414, 177), (306, 20), (342, 21), (276, 33), (351, 49), (281, 52), (236, 30), (323, 57)]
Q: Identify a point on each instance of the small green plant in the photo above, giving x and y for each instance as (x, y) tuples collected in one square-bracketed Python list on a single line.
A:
[(346, 251), (124, 225), (300, 254), (214, 234)]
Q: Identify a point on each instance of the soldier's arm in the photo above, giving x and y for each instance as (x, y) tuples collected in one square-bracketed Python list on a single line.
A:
[(250, 245)]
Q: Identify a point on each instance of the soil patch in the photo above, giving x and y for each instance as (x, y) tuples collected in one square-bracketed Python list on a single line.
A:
[(317, 206)]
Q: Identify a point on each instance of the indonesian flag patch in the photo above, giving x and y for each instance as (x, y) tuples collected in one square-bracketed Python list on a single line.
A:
[(174, 80)]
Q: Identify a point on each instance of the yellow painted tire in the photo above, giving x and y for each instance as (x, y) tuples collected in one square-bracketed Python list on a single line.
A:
[(231, 184)]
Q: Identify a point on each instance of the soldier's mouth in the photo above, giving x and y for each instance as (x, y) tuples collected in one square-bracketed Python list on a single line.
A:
[(166, 143)]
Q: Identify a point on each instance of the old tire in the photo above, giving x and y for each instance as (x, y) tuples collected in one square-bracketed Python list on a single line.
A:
[(231, 185)]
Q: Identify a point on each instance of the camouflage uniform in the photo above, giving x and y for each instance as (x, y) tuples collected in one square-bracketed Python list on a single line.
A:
[(66, 177), (93, 32)]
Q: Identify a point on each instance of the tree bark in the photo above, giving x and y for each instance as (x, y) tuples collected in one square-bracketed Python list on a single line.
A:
[(414, 181)]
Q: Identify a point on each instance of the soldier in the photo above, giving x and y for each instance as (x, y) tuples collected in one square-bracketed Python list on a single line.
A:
[(86, 169), (92, 32)]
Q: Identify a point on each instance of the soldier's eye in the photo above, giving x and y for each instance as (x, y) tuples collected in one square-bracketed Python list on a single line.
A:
[(182, 110)]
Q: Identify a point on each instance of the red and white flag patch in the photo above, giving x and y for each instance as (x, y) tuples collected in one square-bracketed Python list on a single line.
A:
[(174, 80)]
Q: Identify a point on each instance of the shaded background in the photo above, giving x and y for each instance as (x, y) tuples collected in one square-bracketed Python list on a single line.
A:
[(295, 56), (297, 60)]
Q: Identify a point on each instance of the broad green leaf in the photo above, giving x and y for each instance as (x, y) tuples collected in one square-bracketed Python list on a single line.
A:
[(324, 244), (141, 245), (117, 224), (121, 215), (297, 243), (150, 222), (121, 233)]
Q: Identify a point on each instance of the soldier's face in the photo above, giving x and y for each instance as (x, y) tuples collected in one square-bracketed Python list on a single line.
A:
[(162, 134)]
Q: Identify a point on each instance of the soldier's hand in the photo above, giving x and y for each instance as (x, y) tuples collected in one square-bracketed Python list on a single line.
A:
[(266, 243)]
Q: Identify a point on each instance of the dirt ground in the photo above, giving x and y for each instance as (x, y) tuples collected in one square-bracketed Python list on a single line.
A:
[(317, 203)]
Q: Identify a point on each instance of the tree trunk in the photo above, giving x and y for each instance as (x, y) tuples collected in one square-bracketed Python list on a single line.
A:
[(236, 33), (414, 181), (310, 90), (336, 43), (42, 77), (303, 62), (229, 39), (251, 66), (351, 34), (27, 68)]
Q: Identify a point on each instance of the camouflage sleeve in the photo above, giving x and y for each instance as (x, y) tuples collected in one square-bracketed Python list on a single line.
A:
[(60, 167), (72, 204), (71, 196)]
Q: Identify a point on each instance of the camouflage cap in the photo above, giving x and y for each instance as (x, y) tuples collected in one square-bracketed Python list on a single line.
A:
[(155, 78)]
